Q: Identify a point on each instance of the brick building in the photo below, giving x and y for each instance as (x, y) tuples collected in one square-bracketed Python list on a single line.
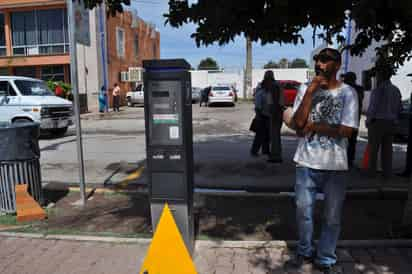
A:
[(130, 41), (34, 42)]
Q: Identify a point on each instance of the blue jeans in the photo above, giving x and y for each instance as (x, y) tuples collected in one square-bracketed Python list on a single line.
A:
[(332, 184)]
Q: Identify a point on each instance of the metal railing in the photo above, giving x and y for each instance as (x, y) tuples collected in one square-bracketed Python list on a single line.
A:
[(43, 49)]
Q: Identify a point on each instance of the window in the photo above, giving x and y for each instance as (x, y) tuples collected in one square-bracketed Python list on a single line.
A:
[(33, 88), (2, 36), (25, 71), (6, 89), (154, 50), (4, 71), (120, 39), (55, 73), (39, 32), (136, 45)]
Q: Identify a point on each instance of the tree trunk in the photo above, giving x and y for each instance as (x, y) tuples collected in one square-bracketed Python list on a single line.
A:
[(247, 91)]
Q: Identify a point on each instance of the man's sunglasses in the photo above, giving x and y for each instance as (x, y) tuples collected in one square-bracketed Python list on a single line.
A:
[(324, 58)]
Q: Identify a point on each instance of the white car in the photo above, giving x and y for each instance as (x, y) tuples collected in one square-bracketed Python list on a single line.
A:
[(222, 94), (24, 99), (135, 97)]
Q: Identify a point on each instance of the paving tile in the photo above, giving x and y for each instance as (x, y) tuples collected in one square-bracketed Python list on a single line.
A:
[(360, 255), (344, 255)]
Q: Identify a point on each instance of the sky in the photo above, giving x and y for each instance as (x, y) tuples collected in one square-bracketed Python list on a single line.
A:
[(176, 43)]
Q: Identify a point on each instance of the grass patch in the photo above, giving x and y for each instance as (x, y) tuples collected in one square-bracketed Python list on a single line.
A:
[(8, 219)]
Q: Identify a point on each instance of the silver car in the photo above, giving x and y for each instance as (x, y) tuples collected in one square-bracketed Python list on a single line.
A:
[(196, 94), (135, 97)]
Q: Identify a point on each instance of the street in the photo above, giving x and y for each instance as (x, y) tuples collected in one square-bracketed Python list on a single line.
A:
[(114, 148)]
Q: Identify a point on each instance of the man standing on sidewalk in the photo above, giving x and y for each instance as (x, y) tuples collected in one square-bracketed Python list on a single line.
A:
[(325, 116), (382, 116)]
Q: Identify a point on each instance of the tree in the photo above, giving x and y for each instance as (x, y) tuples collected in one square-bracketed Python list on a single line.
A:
[(208, 64), (113, 6), (284, 63), (273, 21), (298, 63), (271, 64)]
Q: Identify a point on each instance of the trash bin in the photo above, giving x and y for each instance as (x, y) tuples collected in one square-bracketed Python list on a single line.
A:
[(19, 163)]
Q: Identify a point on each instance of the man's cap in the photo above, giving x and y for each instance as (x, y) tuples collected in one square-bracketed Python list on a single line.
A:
[(329, 53)]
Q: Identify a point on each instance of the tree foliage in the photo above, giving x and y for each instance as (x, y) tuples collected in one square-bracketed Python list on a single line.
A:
[(112, 6), (271, 65), (281, 21), (298, 63), (284, 63), (208, 64)]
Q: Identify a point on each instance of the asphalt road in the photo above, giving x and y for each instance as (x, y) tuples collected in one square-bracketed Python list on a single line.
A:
[(114, 148)]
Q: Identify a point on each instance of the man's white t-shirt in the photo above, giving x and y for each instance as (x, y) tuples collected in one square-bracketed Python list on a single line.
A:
[(334, 107)]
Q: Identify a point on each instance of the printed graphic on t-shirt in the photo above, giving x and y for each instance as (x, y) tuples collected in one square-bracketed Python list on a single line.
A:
[(326, 108)]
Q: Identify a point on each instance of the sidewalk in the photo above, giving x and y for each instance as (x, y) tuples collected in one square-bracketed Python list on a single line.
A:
[(61, 256)]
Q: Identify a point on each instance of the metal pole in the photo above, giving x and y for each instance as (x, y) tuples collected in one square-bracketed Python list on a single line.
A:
[(348, 41), (248, 72), (102, 36), (75, 89)]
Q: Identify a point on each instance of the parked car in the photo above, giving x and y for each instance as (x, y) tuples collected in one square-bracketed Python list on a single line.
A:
[(290, 89), (24, 99), (222, 94), (196, 94), (135, 97)]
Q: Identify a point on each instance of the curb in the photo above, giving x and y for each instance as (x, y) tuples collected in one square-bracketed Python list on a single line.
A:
[(399, 243)]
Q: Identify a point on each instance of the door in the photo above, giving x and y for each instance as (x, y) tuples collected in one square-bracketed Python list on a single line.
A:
[(9, 102)]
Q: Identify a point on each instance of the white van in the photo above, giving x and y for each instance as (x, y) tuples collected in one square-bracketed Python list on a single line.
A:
[(25, 99)]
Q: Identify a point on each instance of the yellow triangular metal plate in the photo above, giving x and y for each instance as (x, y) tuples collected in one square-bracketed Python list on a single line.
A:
[(167, 253)]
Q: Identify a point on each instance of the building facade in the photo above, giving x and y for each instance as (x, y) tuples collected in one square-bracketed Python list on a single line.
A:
[(34, 42)]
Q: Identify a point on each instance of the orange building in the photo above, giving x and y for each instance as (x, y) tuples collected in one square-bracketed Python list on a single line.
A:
[(34, 42)]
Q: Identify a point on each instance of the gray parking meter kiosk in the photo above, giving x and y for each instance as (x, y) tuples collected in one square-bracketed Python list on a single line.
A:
[(169, 144)]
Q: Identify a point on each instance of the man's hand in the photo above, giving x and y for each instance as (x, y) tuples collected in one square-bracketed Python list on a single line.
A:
[(309, 127), (317, 82)]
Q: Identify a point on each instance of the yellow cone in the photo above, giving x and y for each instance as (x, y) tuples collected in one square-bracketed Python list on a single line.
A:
[(167, 252)]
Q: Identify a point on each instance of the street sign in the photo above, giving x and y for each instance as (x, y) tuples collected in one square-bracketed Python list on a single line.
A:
[(82, 23)]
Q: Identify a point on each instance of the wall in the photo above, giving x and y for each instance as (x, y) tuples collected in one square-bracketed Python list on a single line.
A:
[(149, 48), (88, 62)]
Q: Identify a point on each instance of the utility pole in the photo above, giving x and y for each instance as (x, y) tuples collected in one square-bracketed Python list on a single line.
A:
[(247, 90), (75, 89)]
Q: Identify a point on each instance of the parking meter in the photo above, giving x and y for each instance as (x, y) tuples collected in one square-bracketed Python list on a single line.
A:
[(169, 143)]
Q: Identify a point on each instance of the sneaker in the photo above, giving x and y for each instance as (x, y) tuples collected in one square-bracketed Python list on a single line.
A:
[(297, 262), (329, 269)]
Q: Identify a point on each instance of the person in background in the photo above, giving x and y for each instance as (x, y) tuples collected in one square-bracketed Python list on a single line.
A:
[(382, 116), (102, 99), (269, 102), (58, 90), (408, 166), (260, 124), (204, 96), (116, 97), (349, 78)]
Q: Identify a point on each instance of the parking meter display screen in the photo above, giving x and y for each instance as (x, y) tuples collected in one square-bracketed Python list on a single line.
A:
[(165, 124)]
